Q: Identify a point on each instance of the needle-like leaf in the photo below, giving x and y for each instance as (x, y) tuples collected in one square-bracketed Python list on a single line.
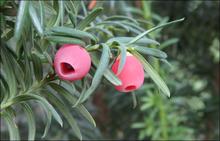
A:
[(21, 17), (91, 17), (153, 74), (152, 29), (35, 19), (31, 121)]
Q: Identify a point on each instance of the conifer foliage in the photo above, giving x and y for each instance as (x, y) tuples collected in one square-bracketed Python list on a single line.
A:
[(31, 34)]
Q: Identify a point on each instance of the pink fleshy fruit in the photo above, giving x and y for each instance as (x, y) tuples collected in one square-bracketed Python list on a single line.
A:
[(131, 76), (72, 62)]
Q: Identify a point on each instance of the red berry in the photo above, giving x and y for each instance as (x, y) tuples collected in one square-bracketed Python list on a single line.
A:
[(132, 74), (72, 62)]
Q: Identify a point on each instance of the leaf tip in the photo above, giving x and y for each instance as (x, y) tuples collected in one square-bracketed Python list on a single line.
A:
[(182, 19), (61, 123), (168, 94), (81, 138)]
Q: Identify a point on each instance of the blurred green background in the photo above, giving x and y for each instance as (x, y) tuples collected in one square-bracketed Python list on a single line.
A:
[(192, 112)]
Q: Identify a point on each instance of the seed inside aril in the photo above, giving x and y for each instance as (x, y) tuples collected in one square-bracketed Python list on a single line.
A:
[(67, 68), (131, 87)]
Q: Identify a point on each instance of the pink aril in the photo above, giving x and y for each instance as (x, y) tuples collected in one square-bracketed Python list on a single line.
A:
[(72, 62), (132, 74)]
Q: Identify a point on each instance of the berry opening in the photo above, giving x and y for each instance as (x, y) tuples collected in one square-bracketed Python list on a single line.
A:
[(131, 87), (67, 68)]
